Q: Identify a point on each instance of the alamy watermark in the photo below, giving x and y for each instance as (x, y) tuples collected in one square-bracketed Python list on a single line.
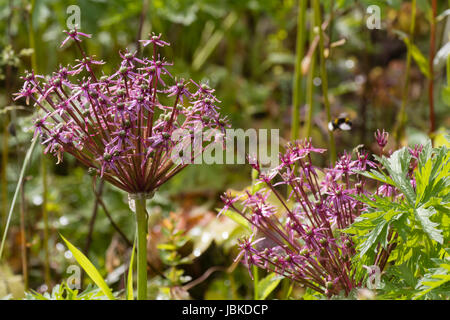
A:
[(374, 19), (74, 280), (74, 19), (374, 279), (231, 146)]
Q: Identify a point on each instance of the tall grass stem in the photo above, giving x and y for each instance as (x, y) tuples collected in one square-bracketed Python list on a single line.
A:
[(16, 193), (298, 95), (310, 86), (431, 66), (324, 77), (401, 118)]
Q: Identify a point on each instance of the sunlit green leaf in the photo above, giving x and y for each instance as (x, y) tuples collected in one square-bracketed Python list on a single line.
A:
[(423, 216), (90, 269), (268, 284)]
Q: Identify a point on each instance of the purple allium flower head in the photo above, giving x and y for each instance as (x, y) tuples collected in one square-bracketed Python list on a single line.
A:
[(119, 125), (304, 245)]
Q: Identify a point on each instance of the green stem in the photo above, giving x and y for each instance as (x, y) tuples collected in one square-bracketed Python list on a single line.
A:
[(45, 218), (5, 153), (324, 77), (298, 95), (32, 38), (431, 66), (23, 236), (34, 65), (142, 228), (310, 87), (448, 70), (255, 282), (399, 128)]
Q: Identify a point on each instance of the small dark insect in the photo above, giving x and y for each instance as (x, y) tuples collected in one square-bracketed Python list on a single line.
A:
[(342, 123), (260, 115)]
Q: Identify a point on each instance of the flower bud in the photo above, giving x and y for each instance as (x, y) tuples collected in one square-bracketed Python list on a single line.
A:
[(123, 70), (107, 156), (92, 171), (348, 243)]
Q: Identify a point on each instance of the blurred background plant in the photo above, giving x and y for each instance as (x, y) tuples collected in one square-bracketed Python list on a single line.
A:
[(247, 51)]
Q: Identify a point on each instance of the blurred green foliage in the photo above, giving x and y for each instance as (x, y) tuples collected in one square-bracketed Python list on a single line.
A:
[(246, 51)]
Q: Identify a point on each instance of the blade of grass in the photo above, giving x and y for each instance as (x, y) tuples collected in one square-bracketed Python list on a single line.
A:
[(203, 53), (16, 193), (130, 293), (256, 282), (89, 268)]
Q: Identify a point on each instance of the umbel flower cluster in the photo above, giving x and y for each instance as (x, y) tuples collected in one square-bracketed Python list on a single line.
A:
[(298, 237), (120, 125)]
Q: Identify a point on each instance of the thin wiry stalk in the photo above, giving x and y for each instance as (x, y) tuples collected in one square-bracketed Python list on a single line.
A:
[(98, 194), (298, 95), (324, 77), (119, 231), (114, 225), (430, 60), (401, 119)]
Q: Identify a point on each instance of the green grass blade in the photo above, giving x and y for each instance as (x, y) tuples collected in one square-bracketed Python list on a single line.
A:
[(202, 54), (130, 294), (89, 268), (19, 183)]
